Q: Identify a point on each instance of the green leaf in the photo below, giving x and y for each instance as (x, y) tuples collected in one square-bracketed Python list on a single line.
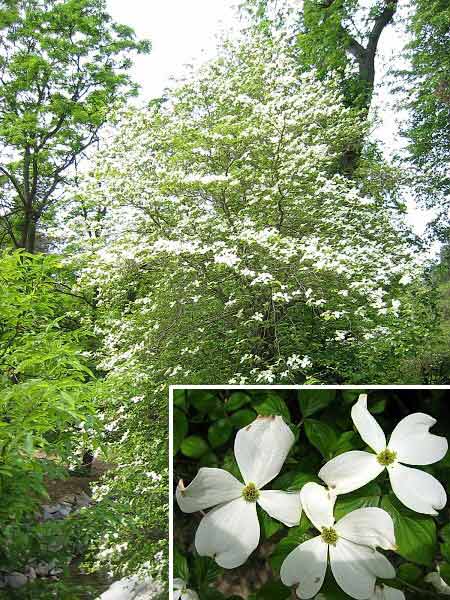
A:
[(350, 396), (268, 525), (28, 443), (179, 399), (180, 565), (194, 446), (211, 594), (219, 432), (242, 418), (321, 435), (331, 590), (272, 590), (445, 532), (378, 406), (180, 428), (409, 572), (294, 538), (204, 402), (236, 400), (415, 534), (272, 404), (445, 551), (369, 495), (293, 480), (312, 401), (347, 441), (444, 571), (205, 570), (209, 459)]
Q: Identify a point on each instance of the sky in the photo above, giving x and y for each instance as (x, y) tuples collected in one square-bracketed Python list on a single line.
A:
[(185, 31), (181, 31)]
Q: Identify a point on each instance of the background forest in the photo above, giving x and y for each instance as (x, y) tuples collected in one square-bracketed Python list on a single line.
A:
[(244, 227)]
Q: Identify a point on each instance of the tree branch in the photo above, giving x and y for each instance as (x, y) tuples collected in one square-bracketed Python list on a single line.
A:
[(381, 21), (15, 183)]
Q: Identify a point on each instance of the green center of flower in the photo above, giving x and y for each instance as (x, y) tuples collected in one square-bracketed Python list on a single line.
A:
[(250, 493), (329, 535), (387, 457)]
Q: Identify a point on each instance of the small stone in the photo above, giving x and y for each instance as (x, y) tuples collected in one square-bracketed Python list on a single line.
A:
[(30, 573), (16, 579), (69, 498), (42, 569), (83, 499), (55, 571)]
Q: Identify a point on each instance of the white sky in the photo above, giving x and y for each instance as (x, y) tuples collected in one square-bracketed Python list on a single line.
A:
[(179, 30), (184, 31)]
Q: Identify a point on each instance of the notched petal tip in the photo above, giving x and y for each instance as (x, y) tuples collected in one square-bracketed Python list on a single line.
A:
[(260, 418)]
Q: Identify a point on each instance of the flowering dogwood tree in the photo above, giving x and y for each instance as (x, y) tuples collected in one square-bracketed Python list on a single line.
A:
[(233, 249), (353, 541)]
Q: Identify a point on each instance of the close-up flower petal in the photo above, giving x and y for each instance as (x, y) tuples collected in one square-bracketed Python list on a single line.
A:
[(210, 487), (350, 471), (305, 567), (178, 586), (438, 583), (356, 568), (318, 504), (369, 526), (385, 592), (229, 533), (282, 506), (261, 449), (189, 595), (367, 426), (414, 444), (417, 489)]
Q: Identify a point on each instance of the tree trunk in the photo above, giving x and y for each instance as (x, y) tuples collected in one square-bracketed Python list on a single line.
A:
[(28, 237)]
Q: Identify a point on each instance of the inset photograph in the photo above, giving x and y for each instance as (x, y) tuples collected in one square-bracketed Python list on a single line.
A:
[(326, 493)]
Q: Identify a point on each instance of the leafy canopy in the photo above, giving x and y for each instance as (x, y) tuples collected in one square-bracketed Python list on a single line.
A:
[(63, 65)]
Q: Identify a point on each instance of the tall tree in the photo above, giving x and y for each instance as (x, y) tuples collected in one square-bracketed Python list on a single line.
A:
[(333, 35), (63, 64), (338, 36), (428, 83)]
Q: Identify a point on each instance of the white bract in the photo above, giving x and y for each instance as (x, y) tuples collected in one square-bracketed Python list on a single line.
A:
[(350, 543), (180, 591), (410, 443), (382, 592), (438, 583), (230, 532), (385, 592)]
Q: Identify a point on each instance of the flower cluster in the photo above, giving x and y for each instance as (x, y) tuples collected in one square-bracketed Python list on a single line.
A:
[(230, 532)]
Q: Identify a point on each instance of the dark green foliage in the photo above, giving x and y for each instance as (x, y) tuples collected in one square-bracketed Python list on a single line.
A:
[(46, 392), (428, 86)]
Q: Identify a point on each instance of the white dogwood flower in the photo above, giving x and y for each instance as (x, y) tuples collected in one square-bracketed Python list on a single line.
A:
[(180, 591), (410, 443), (384, 592), (230, 532), (438, 583), (350, 543)]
